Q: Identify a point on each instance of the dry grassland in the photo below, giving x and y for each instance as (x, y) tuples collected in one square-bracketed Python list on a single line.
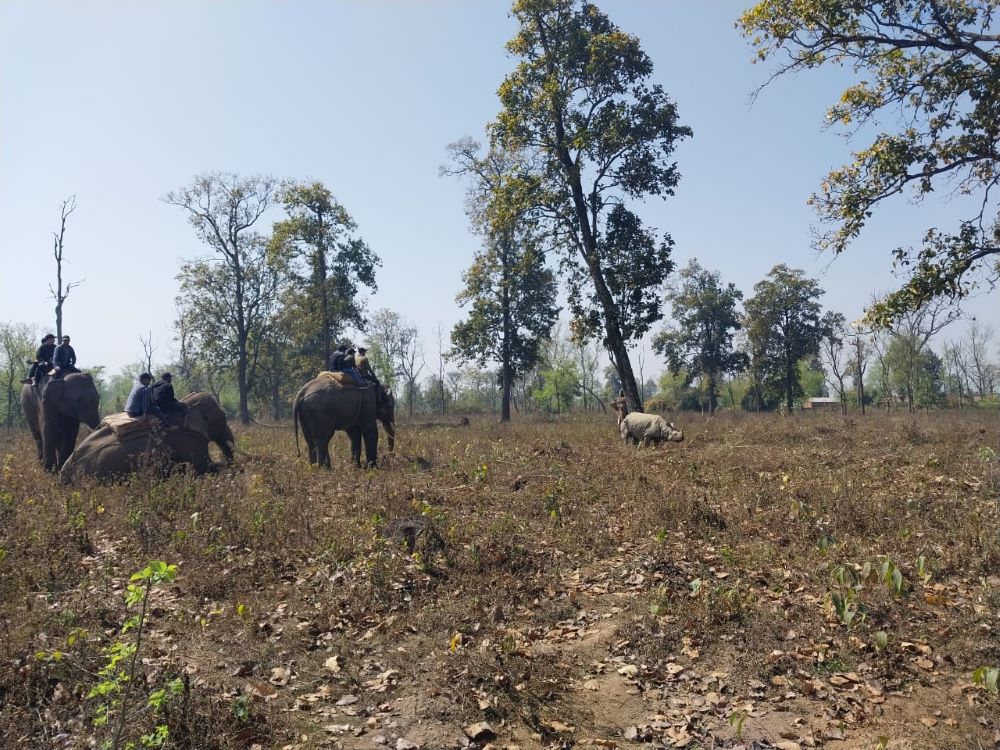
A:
[(769, 583)]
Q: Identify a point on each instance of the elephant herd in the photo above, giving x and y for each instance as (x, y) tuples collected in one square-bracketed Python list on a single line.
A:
[(322, 406)]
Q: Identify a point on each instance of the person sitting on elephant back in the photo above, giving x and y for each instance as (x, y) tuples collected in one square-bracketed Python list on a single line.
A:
[(43, 360), (363, 366), (164, 398), (348, 366), (336, 363), (140, 400), (64, 358)]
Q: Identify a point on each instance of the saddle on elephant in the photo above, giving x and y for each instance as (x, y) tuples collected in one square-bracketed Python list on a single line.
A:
[(342, 380), (122, 425)]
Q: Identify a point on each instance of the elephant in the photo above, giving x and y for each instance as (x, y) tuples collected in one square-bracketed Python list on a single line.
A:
[(105, 455), (323, 406), (204, 415), (54, 412)]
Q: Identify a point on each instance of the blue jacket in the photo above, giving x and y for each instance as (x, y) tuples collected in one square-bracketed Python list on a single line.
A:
[(139, 401)]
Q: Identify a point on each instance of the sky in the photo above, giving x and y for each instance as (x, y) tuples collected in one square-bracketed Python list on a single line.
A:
[(119, 103)]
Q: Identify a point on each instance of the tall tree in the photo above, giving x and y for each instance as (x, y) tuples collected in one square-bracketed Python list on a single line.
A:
[(232, 296), (60, 292), (510, 292), (932, 67), (700, 341), (328, 262), (860, 353), (835, 354), (783, 322), (598, 134)]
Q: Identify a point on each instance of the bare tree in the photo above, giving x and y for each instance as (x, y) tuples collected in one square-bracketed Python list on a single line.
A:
[(956, 366), (411, 362), (147, 351), (60, 293), (860, 354), (832, 351), (977, 344), (442, 358)]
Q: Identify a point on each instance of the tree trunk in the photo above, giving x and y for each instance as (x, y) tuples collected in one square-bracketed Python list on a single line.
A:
[(713, 397), (505, 356)]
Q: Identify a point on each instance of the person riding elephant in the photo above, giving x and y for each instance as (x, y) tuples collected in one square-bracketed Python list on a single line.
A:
[(163, 395), (64, 358), (105, 455), (323, 406), (53, 414), (43, 360)]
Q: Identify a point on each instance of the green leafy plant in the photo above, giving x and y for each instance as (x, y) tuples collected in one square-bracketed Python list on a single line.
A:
[(987, 678), (736, 720), (118, 674)]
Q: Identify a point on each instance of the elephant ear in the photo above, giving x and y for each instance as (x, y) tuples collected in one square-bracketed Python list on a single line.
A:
[(195, 421)]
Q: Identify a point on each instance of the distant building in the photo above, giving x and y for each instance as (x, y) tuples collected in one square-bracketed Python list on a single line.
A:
[(821, 402)]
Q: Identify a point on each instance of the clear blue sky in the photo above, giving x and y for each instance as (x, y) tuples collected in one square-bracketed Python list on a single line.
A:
[(121, 102)]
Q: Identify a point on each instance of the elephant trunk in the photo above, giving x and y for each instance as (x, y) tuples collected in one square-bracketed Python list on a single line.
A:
[(390, 432)]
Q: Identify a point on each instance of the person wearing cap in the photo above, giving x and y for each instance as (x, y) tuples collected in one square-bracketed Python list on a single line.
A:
[(140, 400), (336, 363), (164, 398), (43, 359), (64, 358)]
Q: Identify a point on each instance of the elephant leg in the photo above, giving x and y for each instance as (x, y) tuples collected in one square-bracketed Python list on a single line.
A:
[(354, 433), (68, 443), (323, 450), (371, 446)]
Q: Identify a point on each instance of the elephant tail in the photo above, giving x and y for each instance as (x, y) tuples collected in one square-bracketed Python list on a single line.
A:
[(295, 421)]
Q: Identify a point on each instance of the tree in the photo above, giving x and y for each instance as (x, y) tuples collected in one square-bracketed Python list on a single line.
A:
[(232, 297), (836, 355), (909, 334), (560, 378), (860, 353), (397, 351), (700, 341), (17, 346), (977, 344), (60, 293), (327, 261), (932, 67), (598, 134), (783, 326), (510, 292)]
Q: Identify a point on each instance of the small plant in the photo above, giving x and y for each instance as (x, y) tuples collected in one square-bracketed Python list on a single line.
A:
[(892, 576), (118, 674), (480, 473), (736, 720), (924, 570), (987, 678)]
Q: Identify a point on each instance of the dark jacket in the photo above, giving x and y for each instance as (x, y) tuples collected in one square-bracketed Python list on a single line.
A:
[(348, 363), (336, 361), (64, 357), (45, 352), (163, 396)]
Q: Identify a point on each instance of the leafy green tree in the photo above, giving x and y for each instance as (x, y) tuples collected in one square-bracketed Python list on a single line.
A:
[(783, 325), (230, 298), (17, 347), (327, 263), (916, 375), (932, 67), (700, 341), (598, 134), (510, 293), (396, 352)]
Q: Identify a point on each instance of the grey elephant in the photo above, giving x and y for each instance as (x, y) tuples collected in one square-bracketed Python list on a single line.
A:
[(204, 415), (322, 406), (106, 455), (54, 412)]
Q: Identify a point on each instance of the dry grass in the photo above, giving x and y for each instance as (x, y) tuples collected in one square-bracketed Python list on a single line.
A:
[(546, 555)]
